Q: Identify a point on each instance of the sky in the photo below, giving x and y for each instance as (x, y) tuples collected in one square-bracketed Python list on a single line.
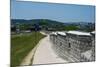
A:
[(59, 12)]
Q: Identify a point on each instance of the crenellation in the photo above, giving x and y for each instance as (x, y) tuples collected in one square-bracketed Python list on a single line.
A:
[(75, 46)]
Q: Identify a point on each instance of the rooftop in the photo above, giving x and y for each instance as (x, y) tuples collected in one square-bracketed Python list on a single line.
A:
[(79, 33), (93, 32), (54, 33), (62, 33)]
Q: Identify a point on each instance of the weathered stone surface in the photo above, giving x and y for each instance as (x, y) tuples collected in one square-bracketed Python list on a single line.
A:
[(74, 47)]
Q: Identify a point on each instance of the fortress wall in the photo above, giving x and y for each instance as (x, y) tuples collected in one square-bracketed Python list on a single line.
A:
[(70, 47)]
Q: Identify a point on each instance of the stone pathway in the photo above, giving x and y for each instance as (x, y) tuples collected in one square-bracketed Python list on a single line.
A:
[(45, 54)]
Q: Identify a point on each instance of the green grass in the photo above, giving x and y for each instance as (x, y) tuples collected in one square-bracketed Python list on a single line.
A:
[(21, 45)]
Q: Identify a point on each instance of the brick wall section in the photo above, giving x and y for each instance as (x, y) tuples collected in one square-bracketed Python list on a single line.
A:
[(70, 46)]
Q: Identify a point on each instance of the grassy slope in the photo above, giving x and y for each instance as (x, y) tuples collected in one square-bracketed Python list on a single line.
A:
[(21, 45)]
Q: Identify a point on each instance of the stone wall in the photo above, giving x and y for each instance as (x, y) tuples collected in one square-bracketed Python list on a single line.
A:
[(72, 47)]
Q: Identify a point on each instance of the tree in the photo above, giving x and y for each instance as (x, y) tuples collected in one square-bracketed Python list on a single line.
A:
[(71, 27)]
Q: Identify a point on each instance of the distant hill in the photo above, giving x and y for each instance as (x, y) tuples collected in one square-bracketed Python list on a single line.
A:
[(43, 23), (34, 21), (46, 24)]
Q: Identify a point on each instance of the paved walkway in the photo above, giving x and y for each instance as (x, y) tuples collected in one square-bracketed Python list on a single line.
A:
[(44, 53)]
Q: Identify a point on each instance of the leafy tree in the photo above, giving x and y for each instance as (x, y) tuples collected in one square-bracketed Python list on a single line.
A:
[(71, 27), (43, 22), (24, 26)]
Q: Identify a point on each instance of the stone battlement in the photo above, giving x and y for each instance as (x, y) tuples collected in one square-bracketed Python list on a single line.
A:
[(74, 46)]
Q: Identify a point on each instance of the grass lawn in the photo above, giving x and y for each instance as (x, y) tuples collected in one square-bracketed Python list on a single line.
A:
[(21, 45)]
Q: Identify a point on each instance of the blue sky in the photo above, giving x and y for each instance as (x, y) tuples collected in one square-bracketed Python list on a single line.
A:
[(59, 12)]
